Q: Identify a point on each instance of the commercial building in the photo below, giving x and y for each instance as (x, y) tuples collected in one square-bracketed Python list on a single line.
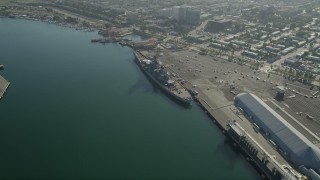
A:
[(179, 13), (290, 143), (193, 16), (313, 58), (197, 38), (276, 33), (219, 46), (219, 25), (272, 57), (186, 14), (167, 12), (272, 49), (287, 50), (315, 47), (132, 17), (250, 54), (292, 62)]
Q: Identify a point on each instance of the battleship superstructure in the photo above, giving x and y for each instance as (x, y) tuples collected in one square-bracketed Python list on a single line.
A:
[(157, 73)]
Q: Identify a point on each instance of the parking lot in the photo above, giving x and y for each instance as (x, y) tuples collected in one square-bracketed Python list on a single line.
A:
[(216, 77)]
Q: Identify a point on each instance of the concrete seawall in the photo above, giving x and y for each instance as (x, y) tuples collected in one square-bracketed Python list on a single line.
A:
[(250, 150), (221, 111), (253, 154)]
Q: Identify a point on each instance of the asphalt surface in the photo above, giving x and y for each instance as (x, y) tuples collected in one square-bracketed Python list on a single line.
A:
[(220, 80)]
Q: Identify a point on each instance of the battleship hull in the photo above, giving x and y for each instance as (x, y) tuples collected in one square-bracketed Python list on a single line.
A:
[(182, 101)]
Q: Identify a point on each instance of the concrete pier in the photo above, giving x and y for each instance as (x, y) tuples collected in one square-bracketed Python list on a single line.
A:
[(4, 84), (218, 103), (260, 154)]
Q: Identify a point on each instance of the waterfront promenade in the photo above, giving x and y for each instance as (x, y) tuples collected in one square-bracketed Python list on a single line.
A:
[(4, 84)]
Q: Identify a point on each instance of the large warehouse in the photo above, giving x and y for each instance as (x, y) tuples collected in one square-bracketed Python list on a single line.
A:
[(297, 148)]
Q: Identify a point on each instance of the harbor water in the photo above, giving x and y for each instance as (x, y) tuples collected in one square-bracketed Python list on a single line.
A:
[(80, 110)]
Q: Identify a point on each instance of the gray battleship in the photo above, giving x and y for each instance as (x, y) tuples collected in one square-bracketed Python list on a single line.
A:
[(157, 73)]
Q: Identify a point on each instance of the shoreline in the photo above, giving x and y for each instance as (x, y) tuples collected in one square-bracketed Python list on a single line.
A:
[(222, 122), (199, 102), (70, 26), (233, 143), (54, 16), (65, 25)]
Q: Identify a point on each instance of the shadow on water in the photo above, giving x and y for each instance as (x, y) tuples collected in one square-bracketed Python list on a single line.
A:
[(231, 154), (148, 86), (144, 85), (142, 81)]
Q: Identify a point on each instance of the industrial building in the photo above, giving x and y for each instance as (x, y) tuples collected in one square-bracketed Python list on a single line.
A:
[(295, 147)]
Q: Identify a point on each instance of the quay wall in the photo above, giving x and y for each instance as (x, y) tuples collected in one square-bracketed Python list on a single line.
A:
[(246, 147)]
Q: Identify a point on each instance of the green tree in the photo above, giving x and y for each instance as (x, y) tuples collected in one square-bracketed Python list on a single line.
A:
[(56, 18)]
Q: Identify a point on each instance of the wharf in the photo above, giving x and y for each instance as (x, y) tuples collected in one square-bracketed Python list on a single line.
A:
[(129, 44), (257, 151), (4, 84), (110, 40), (125, 34), (123, 42), (175, 91), (254, 147)]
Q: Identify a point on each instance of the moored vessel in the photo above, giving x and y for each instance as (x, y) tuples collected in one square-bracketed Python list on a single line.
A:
[(157, 73)]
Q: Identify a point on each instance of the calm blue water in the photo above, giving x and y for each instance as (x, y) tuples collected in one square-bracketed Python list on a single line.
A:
[(76, 109)]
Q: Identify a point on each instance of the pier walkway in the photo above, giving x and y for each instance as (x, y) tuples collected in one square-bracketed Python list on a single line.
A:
[(4, 84)]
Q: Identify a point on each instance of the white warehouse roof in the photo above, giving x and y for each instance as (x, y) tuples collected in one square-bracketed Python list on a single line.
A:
[(297, 147)]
